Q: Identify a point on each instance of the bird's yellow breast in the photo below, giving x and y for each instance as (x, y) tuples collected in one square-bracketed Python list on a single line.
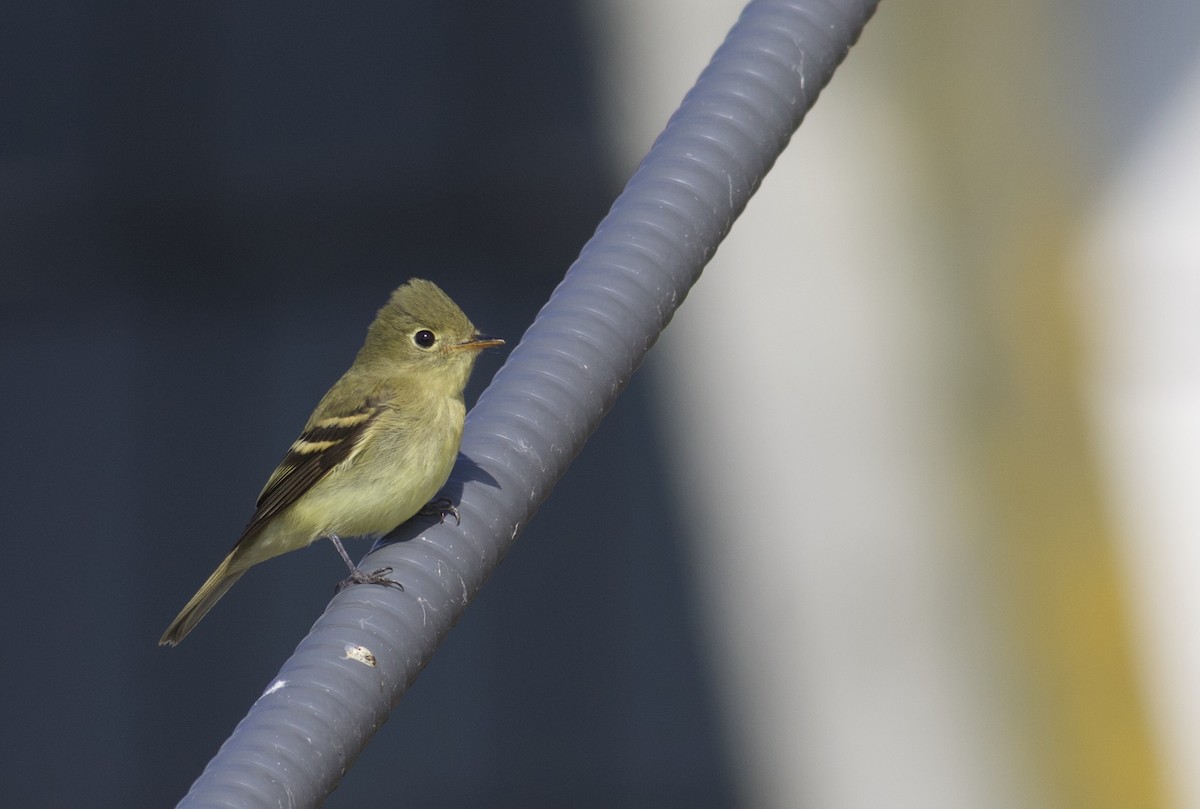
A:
[(402, 462)]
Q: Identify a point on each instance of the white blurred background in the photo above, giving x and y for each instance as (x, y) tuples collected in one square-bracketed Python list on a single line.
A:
[(935, 403)]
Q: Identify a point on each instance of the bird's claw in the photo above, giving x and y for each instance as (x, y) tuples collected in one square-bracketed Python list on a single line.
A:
[(441, 508), (379, 576)]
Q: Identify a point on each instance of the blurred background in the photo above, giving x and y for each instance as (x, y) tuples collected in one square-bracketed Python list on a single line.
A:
[(901, 511)]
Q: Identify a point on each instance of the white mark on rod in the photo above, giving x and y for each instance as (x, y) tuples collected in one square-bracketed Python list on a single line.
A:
[(360, 653)]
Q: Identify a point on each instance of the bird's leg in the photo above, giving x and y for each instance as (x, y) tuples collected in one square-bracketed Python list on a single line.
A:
[(357, 576), (440, 508)]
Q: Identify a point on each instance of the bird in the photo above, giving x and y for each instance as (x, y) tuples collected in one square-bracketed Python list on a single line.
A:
[(377, 448)]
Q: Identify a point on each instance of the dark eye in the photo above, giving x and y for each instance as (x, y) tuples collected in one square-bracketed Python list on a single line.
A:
[(425, 338)]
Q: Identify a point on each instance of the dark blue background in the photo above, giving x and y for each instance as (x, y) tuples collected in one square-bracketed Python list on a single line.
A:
[(201, 208)]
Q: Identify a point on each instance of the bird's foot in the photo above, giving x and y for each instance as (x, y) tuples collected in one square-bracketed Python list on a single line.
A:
[(441, 508), (379, 576)]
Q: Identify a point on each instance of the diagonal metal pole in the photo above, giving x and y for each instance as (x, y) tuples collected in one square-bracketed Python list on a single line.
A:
[(305, 731)]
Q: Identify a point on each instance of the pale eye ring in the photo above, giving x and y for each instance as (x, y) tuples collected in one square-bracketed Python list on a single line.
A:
[(425, 338)]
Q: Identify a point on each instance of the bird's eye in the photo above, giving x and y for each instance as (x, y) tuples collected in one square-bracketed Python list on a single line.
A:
[(425, 338)]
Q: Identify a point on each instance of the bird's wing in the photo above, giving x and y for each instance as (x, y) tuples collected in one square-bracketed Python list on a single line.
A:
[(325, 443)]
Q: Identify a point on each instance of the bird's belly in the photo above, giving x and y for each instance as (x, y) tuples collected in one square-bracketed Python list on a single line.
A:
[(377, 503), (352, 502)]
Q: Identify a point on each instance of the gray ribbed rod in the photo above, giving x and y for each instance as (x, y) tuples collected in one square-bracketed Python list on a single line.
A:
[(305, 731)]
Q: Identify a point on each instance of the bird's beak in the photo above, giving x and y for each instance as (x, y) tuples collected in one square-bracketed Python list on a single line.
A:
[(477, 343)]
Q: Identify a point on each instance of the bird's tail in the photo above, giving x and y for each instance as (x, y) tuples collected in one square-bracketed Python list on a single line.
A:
[(209, 594)]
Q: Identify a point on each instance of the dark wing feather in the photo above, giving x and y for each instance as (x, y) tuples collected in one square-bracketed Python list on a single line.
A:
[(320, 448)]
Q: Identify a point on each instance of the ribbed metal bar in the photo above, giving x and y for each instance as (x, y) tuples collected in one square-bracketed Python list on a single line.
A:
[(302, 735)]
